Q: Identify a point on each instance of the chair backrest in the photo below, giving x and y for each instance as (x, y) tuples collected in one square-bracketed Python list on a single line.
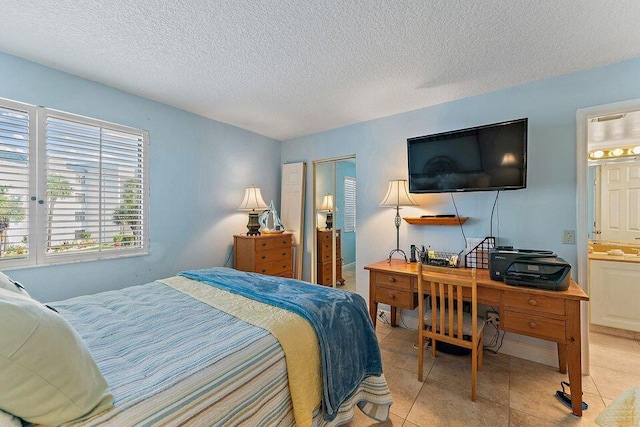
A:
[(447, 292)]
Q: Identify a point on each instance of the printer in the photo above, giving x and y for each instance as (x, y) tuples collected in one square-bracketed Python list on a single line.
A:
[(529, 267)]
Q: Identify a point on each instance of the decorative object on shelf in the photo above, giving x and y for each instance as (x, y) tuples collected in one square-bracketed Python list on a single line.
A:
[(252, 201), (329, 207), (397, 196), (270, 221)]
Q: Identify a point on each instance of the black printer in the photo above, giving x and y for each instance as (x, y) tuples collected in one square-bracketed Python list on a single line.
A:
[(529, 267)]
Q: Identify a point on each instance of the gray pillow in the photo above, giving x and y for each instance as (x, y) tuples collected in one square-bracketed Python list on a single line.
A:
[(47, 373), (11, 285)]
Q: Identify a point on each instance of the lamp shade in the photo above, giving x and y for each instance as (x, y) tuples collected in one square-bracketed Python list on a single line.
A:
[(327, 204), (398, 194), (252, 200)]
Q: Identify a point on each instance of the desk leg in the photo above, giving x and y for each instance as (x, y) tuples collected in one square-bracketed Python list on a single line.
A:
[(562, 358), (573, 355), (394, 311), (373, 305)]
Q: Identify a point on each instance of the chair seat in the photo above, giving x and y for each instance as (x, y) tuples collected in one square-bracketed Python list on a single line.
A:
[(467, 328)]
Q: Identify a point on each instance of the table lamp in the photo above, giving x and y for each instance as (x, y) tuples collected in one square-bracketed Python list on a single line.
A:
[(397, 195), (328, 206), (252, 201)]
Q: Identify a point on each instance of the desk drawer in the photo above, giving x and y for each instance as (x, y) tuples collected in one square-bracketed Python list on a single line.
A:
[(517, 301), (395, 281), (533, 326), (396, 298)]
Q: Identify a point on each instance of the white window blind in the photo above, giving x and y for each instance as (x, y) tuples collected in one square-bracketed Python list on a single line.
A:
[(349, 204), (75, 189), (16, 130), (98, 170)]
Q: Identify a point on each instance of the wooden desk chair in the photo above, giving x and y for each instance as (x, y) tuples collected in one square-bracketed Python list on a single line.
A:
[(446, 318)]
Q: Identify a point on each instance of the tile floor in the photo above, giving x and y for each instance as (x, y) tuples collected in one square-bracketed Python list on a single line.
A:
[(511, 391)]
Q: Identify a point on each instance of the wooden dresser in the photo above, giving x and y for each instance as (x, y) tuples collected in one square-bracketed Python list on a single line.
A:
[(325, 257), (269, 254)]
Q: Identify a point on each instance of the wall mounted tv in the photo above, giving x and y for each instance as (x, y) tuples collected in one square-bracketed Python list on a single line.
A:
[(483, 158)]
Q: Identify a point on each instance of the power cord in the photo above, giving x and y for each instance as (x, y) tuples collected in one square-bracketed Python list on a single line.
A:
[(383, 317), (229, 257), (495, 202), (459, 221)]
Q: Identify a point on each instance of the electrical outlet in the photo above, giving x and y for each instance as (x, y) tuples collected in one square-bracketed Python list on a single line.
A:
[(569, 237)]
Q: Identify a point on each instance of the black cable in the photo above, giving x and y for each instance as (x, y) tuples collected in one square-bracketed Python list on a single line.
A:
[(459, 220), (229, 257), (492, 210)]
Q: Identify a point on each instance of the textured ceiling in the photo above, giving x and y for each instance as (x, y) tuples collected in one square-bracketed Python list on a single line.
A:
[(287, 68)]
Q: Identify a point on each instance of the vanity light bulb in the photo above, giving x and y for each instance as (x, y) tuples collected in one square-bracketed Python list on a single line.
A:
[(597, 154), (617, 152), (635, 150)]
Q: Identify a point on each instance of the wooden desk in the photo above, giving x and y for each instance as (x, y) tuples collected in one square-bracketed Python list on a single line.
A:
[(549, 315)]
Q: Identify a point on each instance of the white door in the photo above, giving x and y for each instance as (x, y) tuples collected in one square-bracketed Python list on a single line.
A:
[(620, 202)]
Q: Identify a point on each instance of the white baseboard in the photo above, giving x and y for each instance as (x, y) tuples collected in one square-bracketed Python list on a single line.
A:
[(509, 347)]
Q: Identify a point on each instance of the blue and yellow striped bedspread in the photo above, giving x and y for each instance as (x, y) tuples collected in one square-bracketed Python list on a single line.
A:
[(170, 359)]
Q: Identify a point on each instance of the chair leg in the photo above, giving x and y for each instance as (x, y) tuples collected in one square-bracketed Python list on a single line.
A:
[(480, 353), (474, 373), (433, 347), (420, 354)]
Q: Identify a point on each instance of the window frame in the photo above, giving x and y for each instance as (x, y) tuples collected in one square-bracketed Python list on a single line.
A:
[(37, 200)]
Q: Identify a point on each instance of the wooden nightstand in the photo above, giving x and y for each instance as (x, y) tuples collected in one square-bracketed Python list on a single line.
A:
[(269, 254)]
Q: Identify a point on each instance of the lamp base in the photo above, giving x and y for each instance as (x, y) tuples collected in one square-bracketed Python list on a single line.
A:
[(253, 225), (400, 251), (329, 223)]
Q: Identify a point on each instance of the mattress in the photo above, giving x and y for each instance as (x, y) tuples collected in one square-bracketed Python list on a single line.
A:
[(170, 358)]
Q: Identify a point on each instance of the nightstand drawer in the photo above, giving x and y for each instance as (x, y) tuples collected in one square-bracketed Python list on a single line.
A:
[(396, 298), (533, 303), (273, 255), (533, 326), (283, 241), (394, 281), (274, 268)]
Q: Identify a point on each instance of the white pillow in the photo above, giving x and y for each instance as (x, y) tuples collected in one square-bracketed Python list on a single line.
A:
[(8, 420), (47, 373), (11, 285)]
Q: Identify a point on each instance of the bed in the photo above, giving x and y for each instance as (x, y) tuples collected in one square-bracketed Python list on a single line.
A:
[(219, 347)]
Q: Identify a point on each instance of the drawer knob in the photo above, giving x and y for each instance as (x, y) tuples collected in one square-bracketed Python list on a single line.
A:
[(263, 270), (263, 257), (533, 324), (533, 302), (392, 279), (284, 253), (264, 244), (393, 297)]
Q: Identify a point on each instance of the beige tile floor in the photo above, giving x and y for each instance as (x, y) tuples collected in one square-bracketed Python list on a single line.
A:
[(511, 391)]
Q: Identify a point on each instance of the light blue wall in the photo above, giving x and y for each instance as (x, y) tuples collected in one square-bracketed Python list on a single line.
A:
[(529, 218), (198, 171)]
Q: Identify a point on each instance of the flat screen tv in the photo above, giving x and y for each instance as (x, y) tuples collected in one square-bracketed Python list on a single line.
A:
[(483, 158)]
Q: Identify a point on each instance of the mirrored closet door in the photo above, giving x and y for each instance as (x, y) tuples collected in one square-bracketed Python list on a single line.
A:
[(334, 195)]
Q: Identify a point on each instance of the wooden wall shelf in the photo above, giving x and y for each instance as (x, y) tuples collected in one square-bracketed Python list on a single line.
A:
[(436, 221)]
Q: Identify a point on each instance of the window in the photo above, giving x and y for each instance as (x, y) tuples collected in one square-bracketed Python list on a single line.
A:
[(349, 204), (74, 189)]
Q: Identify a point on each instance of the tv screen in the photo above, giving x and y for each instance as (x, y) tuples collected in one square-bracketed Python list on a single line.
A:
[(490, 157)]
